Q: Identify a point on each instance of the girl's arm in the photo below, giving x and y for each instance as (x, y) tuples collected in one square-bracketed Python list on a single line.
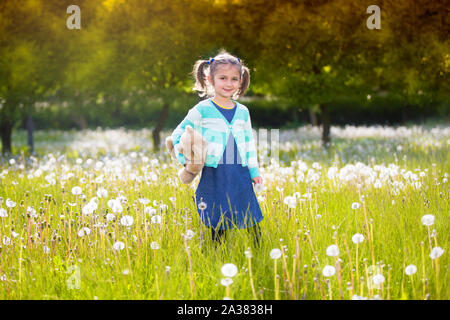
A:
[(191, 118)]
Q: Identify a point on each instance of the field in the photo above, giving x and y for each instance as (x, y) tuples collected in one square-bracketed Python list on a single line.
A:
[(96, 215)]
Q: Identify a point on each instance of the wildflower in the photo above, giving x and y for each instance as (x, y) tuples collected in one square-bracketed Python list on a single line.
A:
[(189, 234), (229, 270), (328, 271), (76, 190), (357, 238), (144, 201), (126, 220), (436, 252), (84, 231), (428, 220), (202, 205), (259, 187), (3, 213), (248, 254), (102, 193), (90, 207), (118, 245), (99, 179), (356, 205), (275, 254), (378, 279), (115, 205), (226, 282), (290, 201), (10, 203), (154, 245), (410, 270), (156, 219), (332, 251), (150, 211), (110, 217)]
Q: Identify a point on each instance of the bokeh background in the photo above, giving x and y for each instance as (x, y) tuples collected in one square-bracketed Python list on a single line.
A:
[(312, 62)]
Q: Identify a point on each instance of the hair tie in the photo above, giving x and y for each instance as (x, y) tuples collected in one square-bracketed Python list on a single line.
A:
[(239, 60), (210, 61)]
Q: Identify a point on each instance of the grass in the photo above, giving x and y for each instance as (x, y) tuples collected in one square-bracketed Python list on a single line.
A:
[(43, 257)]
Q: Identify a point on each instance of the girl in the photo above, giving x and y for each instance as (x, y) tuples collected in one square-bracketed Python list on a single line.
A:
[(224, 196)]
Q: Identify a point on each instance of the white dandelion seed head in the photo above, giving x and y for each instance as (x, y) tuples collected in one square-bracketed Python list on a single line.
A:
[(3, 213), (102, 193), (428, 220), (126, 221), (378, 279), (229, 270), (332, 251), (357, 238), (76, 190), (202, 205), (259, 187), (10, 204), (410, 269), (118, 245), (275, 253), (156, 219), (154, 245), (328, 271), (85, 231), (226, 282), (248, 254), (110, 217), (356, 205), (436, 252)]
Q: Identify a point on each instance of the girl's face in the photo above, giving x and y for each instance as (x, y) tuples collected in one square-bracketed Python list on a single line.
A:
[(226, 80)]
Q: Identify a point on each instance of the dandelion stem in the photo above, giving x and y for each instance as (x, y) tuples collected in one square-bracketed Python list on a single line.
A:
[(277, 297), (251, 278), (351, 264)]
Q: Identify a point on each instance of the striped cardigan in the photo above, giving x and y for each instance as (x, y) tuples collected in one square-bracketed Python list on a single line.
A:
[(212, 125)]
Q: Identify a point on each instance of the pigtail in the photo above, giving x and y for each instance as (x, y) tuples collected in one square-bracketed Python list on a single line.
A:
[(245, 75), (200, 77)]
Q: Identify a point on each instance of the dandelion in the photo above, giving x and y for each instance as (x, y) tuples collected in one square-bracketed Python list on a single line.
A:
[(410, 270), (126, 221), (290, 201), (115, 205), (10, 203), (118, 245), (84, 231), (90, 207), (332, 251), (259, 187), (46, 249), (76, 190), (275, 254), (110, 217), (102, 193), (248, 254), (226, 282), (154, 245), (3, 213), (144, 201), (328, 271), (428, 220), (189, 234), (357, 238), (156, 219), (229, 270), (125, 272), (356, 205), (436, 252), (378, 279), (150, 211), (202, 205)]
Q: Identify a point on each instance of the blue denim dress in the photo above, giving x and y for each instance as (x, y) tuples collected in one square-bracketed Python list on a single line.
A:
[(227, 190)]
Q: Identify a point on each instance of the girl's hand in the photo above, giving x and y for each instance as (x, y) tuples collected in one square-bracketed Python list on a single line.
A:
[(257, 180)]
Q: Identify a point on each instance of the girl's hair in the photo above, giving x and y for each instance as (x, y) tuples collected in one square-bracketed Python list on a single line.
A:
[(204, 67)]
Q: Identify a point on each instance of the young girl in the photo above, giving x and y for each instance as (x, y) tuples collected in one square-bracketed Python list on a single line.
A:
[(224, 196)]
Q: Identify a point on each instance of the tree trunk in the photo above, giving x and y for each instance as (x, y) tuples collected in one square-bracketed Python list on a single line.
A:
[(159, 125), (6, 133), (313, 117), (30, 130), (325, 125)]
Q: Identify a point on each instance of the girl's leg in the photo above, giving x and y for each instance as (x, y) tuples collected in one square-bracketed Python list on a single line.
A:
[(217, 235), (255, 231)]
